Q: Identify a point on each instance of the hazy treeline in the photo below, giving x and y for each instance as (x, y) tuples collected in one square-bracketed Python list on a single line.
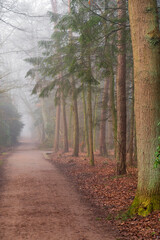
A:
[(77, 67), (20, 28), (10, 121)]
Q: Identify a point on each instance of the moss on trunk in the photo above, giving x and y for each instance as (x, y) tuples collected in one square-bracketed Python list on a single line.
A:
[(144, 205)]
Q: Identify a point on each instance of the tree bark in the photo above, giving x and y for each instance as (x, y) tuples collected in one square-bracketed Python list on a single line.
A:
[(135, 144), (71, 126), (91, 154), (103, 148), (146, 54), (109, 137), (76, 120), (89, 102), (95, 121), (44, 117), (65, 126), (85, 120), (57, 128), (130, 152), (113, 108), (75, 106), (121, 90)]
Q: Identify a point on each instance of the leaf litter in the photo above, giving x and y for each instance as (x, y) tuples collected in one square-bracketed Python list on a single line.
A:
[(110, 194)]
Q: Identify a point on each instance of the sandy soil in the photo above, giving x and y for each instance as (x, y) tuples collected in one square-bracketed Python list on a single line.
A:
[(38, 203)]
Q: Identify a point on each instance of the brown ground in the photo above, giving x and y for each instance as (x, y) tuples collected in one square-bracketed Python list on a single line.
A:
[(38, 203), (110, 194)]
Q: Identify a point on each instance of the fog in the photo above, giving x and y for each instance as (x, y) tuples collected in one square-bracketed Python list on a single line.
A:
[(23, 24)]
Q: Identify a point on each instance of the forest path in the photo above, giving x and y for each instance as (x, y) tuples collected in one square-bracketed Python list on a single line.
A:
[(38, 203)]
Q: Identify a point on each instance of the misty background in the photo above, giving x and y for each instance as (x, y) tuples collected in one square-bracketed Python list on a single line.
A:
[(22, 25)]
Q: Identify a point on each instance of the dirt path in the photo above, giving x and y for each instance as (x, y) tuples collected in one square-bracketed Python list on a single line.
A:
[(37, 203)]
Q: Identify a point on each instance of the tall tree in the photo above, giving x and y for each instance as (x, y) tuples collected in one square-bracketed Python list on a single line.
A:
[(146, 53), (58, 107), (103, 148), (121, 90), (74, 99)]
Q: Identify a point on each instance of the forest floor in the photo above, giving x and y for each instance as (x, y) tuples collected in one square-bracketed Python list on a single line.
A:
[(38, 203), (109, 194)]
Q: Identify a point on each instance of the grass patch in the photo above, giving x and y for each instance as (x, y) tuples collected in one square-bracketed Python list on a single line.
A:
[(123, 216), (98, 218), (109, 217), (4, 153)]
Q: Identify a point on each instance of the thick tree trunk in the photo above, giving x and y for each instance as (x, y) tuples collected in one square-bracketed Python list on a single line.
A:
[(65, 126), (57, 128), (121, 91), (146, 53), (103, 148)]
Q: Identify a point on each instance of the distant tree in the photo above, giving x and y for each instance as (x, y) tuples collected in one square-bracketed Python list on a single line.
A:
[(10, 123)]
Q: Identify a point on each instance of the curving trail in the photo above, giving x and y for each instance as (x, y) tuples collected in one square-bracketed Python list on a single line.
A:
[(37, 202)]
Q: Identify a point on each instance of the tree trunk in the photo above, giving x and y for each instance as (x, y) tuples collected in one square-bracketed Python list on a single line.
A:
[(135, 144), (146, 54), (57, 128), (130, 152), (71, 126), (89, 102), (85, 120), (106, 94), (103, 149), (121, 91), (54, 6), (91, 154), (109, 137), (76, 120), (95, 121), (75, 107), (113, 109), (65, 126), (44, 117)]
